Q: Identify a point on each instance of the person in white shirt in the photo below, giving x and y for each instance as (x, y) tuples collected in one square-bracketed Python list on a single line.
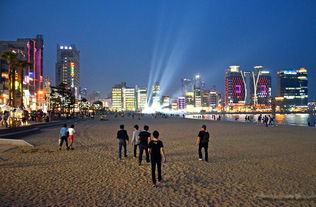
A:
[(135, 142), (71, 132)]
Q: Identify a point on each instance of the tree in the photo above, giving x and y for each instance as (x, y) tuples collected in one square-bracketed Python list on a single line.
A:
[(15, 74), (62, 98)]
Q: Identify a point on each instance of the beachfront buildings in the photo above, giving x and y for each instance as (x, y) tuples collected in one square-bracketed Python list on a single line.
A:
[(68, 67), (126, 98), (28, 91), (260, 87), (235, 86), (292, 88)]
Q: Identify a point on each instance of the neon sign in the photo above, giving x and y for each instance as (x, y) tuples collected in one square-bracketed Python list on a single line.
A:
[(72, 74)]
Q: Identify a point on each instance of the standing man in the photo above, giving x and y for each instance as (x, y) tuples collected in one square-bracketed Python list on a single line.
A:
[(202, 140), (63, 135), (123, 139), (135, 142), (157, 153), (144, 138)]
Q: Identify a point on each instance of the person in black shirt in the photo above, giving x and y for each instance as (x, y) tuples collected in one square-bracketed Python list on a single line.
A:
[(123, 138), (202, 141), (144, 138), (157, 153)]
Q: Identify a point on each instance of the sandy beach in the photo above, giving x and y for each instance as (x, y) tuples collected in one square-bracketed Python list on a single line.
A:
[(249, 165)]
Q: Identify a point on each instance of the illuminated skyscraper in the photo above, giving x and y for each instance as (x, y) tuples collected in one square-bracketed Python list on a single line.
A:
[(197, 91), (260, 86), (30, 50), (292, 85), (187, 85), (156, 96), (68, 66), (129, 99), (141, 98), (117, 97), (235, 86)]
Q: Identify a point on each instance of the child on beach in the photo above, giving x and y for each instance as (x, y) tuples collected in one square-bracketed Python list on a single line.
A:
[(123, 138), (71, 133), (157, 154), (135, 142)]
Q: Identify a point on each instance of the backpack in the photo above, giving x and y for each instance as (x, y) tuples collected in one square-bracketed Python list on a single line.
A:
[(206, 137)]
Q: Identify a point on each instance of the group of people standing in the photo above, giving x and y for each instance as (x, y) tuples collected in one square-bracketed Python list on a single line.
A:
[(154, 148), (267, 120)]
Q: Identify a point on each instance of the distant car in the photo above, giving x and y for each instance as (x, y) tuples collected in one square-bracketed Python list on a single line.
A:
[(103, 118)]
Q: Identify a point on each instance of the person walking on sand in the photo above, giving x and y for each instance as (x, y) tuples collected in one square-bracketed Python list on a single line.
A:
[(63, 135), (123, 139), (71, 133), (144, 139), (157, 154), (202, 141), (135, 141)]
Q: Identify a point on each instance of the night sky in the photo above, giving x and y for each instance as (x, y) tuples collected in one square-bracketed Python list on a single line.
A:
[(142, 41)]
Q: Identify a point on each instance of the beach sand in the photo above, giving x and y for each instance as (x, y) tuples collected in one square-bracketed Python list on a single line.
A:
[(249, 165)]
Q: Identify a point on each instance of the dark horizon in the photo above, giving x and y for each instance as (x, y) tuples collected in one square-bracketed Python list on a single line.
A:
[(122, 41)]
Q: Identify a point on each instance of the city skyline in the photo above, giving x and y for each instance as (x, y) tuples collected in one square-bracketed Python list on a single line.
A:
[(281, 40)]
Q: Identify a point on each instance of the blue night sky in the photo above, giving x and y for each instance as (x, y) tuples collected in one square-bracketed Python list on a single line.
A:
[(143, 41)]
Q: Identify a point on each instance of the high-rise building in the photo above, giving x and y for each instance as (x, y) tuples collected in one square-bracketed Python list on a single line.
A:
[(68, 66), (141, 98), (187, 85), (292, 85), (197, 91), (129, 99), (181, 103), (30, 50), (156, 96), (235, 86), (117, 97), (260, 87)]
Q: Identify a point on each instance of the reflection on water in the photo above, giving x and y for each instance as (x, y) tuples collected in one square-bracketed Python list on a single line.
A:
[(280, 119)]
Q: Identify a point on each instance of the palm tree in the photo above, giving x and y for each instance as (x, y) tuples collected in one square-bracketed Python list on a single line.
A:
[(15, 73)]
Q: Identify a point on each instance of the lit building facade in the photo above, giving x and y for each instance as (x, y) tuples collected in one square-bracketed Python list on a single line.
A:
[(156, 96), (129, 99), (235, 86), (181, 103), (141, 98), (260, 87), (68, 67), (292, 85), (117, 97), (166, 102), (31, 84), (187, 85)]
